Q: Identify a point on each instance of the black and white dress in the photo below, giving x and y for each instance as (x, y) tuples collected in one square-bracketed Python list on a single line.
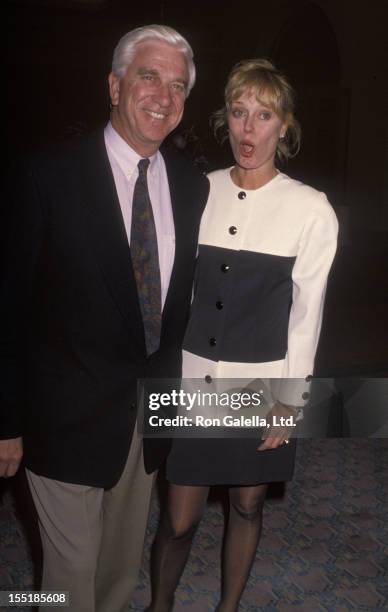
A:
[(263, 260)]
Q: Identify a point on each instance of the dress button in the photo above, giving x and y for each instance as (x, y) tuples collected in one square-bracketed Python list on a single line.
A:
[(208, 378), (242, 195), (225, 268), (308, 378), (219, 305), (212, 341), (132, 407), (305, 395), (233, 230)]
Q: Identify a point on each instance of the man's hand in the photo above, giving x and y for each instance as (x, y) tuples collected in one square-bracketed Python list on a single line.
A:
[(11, 453), (276, 435)]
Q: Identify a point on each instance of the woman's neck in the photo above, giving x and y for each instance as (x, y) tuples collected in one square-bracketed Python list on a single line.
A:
[(252, 178)]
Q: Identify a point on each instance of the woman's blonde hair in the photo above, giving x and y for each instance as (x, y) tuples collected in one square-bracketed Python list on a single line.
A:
[(272, 89)]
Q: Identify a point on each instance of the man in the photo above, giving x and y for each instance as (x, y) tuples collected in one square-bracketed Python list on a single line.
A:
[(97, 288)]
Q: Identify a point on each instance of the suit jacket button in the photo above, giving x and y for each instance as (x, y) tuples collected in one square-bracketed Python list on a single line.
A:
[(219, 305), (208, 378), (308, 378), (225, 268), (212, 341), (233, 230), (132, 407), (242, 195), (305, 395)]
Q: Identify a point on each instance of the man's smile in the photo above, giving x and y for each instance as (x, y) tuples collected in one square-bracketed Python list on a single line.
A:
[(155, 115)]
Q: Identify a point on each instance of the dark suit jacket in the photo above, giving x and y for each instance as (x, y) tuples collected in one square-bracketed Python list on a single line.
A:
[(72, 342)]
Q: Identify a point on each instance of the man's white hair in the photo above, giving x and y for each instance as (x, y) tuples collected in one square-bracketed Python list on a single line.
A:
[(125, 48)]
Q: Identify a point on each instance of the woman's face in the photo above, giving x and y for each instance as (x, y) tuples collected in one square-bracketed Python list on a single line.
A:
[(254, 131)]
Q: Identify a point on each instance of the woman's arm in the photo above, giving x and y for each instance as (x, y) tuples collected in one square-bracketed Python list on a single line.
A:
[(315, 255)]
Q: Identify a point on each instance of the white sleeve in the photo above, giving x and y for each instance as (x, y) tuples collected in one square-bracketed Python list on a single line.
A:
[(315, 255)]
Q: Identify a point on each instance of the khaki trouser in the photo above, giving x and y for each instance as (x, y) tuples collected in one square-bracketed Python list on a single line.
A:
[(93, 539)]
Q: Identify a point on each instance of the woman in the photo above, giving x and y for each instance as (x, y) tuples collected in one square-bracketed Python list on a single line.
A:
[(266, 246)]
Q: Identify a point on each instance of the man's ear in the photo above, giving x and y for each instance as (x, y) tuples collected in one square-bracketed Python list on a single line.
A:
[(114, 89)]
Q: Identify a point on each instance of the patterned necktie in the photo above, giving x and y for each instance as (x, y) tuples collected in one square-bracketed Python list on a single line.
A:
[(145, 261)]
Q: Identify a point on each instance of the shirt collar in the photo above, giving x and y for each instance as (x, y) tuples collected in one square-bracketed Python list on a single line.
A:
[(126, 157)]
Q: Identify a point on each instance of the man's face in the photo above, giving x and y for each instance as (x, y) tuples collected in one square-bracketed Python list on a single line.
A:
[(148, 100)]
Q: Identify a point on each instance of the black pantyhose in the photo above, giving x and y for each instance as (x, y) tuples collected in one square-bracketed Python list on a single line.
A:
[(242, 537), (172, 544)]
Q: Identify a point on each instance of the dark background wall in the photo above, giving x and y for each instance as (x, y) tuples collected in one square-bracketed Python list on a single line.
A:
[(334, 52)]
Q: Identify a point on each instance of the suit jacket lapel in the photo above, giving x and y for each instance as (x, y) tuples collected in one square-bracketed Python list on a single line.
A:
[(107, 232), (177, 193)]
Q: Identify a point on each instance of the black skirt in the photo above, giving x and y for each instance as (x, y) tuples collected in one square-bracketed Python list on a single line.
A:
[(228, 461)]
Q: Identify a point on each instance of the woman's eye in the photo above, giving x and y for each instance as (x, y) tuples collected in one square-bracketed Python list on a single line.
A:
[(148, 77), (237, 113), (265, 115)]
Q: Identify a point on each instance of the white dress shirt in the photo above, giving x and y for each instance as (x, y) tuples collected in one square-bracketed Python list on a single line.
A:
[(124, 160)]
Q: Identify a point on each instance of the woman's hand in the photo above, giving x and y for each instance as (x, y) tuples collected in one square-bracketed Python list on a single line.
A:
[(280, 429)]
